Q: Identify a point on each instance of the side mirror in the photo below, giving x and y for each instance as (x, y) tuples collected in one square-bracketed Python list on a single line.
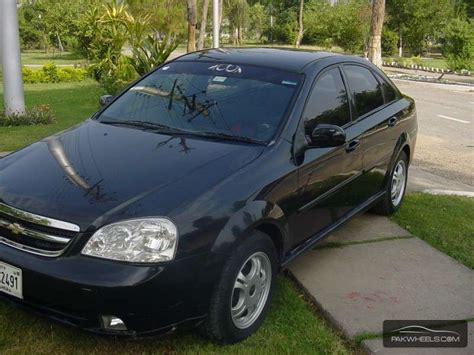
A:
[(327, 135), (105, 100)]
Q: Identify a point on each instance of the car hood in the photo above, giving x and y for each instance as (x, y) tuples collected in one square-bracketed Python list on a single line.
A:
[(92, 169)]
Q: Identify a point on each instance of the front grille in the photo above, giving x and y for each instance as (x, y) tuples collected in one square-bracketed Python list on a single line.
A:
[(33, 237), (38, 227)]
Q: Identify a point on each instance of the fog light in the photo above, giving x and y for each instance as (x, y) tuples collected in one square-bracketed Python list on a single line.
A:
[(113, 323)]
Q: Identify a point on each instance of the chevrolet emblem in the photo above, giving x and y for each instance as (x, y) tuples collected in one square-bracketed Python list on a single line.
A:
[(16, 229)]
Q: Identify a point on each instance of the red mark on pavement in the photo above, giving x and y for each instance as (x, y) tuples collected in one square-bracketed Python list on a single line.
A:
[(371, 298)]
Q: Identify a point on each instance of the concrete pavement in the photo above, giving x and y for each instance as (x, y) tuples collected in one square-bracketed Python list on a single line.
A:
[(420, 180), (372, 270)]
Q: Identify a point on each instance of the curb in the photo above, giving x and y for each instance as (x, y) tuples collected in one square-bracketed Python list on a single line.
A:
[(448, 192), (427, 79), (427, 69)]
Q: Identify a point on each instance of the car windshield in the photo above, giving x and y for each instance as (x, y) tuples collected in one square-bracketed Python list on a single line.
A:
[(221, 100)]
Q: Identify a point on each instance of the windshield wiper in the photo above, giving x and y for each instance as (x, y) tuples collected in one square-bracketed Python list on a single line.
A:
[(165, 129), (145, 125), (230, 137)]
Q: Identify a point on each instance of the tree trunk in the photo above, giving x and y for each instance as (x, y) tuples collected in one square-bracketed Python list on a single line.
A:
[(299, 37), (400, 44), (235, 36), (375, 34), (191, 25), (221, 13), (202, 28)]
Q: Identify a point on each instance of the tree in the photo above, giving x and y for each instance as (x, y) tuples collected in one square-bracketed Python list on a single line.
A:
[(166, 16), (418, 22), (344, 24), (116, 26), (258, 20), (202, 27), (237, 14), (191, 6), (375, 34), (458, 44), (299, 37)]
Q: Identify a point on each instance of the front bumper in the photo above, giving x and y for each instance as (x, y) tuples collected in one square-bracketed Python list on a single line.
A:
[(78, 290)]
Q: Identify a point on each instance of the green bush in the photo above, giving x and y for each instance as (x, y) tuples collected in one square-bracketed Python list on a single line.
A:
[(458, 44), (38, 115), (389, 42), (345, 24), (416, 59), (285, 27), (49, 73), (403, 61)]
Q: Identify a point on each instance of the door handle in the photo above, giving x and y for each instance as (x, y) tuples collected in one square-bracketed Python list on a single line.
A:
[(352, 145), (392, 121)]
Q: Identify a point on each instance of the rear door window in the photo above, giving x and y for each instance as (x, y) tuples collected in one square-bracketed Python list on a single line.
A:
[(366, 90)]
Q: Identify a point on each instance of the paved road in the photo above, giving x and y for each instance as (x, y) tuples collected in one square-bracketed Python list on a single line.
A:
[(445, 145)]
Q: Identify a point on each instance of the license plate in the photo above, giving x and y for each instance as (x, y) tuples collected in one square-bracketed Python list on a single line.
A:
[(11, 280)]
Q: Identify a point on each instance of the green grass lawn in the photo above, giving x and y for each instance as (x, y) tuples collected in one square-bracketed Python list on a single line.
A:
[(439, 63), (71, 102), (445, 222), (290, 328), (40, 57)]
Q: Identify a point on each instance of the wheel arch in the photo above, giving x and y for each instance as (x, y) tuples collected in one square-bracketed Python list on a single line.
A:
[(406, 148), (263, 216)]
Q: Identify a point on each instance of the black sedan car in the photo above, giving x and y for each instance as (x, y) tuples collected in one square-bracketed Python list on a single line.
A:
[(180, 200)]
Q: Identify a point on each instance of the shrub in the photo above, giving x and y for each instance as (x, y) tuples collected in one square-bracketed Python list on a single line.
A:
[(416, 59), (345, 24), (38, 115), (69, 75), (150, 53), (458, 44), (49, 73), (403, 61), (389, 42)]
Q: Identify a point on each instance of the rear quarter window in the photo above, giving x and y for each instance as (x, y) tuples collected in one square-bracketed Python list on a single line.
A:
[(389, 92)]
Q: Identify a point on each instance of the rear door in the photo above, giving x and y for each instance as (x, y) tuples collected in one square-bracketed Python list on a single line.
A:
[(378, 119), (328, 178)]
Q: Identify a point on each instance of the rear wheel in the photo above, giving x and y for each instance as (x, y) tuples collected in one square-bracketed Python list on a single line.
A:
[(396, 187), (244, 291)]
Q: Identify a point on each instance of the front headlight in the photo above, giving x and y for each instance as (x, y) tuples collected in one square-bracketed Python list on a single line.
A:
[(145, 240)]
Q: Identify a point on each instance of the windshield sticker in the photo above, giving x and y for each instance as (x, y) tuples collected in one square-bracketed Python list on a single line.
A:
[(219, 79), (286, 82), (228, 68), (165, 68)]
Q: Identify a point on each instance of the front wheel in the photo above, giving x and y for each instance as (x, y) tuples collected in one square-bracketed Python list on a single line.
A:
[(396, 187), (244, 291)]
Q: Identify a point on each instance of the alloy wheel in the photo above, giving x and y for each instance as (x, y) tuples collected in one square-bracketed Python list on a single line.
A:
[(251, 290), (398, 183)]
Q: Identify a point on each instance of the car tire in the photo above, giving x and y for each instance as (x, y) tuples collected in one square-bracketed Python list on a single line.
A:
[(395, 188), (244, 291)]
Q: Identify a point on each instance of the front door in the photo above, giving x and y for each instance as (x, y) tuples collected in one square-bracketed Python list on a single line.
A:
[(328, 177)]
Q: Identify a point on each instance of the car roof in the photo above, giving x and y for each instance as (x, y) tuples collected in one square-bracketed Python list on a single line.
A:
[(278, 58)]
